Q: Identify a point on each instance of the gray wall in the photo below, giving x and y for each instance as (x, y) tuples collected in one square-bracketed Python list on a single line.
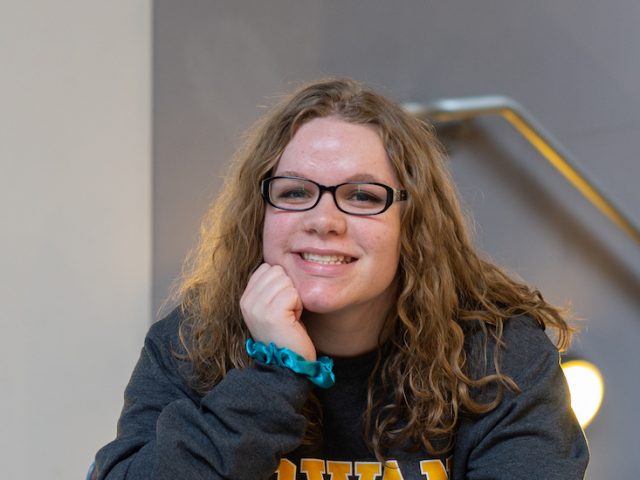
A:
[(75, 242), (573, 64)]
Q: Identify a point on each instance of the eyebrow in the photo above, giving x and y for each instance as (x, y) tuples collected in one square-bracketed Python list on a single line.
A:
[(356, 177)]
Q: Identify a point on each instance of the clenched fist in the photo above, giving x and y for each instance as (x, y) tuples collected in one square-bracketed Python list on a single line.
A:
[(271, 308)]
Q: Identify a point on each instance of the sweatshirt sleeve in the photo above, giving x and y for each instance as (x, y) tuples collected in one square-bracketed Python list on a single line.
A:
[(238, 430), (532, 434)]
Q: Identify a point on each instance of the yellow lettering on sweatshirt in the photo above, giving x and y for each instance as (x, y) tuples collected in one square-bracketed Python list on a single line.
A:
[(313, 468), (433, 470), (392, 471), (368, 470), (286, 470), (338, 470)]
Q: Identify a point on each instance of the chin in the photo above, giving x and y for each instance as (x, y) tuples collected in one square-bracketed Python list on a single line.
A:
[(320, 304), (319, 307)]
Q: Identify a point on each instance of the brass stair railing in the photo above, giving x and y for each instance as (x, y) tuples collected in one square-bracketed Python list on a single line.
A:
[(458, 109)]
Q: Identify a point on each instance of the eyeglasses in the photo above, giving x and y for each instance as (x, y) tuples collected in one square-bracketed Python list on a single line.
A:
[(355, 198)]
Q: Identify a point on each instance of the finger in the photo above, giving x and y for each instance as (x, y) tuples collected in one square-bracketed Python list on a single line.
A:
[(275, 303), (284, 300), (267, 283), (261, 298)]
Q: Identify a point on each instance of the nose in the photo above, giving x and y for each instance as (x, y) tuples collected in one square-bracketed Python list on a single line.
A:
[(325, 218)]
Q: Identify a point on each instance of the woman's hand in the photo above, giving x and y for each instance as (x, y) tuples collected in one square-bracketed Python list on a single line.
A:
[(271, 308)]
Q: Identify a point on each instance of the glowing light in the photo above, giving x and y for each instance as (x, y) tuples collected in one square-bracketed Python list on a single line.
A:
[(587, 389)]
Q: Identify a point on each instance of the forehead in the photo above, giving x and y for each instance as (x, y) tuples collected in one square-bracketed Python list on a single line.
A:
[(331, 149)]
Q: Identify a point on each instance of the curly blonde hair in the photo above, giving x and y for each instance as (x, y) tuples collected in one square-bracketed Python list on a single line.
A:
[(443, 283)]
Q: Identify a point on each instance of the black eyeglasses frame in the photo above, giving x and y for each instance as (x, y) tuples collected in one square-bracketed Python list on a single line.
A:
[(393, 195)]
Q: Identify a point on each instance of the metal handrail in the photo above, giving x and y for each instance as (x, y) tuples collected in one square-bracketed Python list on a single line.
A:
[(457, 109)]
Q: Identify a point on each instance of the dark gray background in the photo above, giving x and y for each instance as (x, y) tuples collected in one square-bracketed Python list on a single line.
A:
[(573, 63)]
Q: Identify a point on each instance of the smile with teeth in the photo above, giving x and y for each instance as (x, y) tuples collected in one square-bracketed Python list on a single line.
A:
[(326, 259)]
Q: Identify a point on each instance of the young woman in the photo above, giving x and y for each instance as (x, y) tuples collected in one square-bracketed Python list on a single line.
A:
[(339, 234)]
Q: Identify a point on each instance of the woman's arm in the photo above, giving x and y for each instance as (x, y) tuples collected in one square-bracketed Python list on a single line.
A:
[(532, 434), (238, 430)]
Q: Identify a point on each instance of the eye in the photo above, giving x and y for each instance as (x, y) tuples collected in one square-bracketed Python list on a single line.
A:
[(293, 194), (362, 194)]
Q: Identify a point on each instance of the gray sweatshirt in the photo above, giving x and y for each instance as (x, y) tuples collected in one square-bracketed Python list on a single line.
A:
[(250, 426)]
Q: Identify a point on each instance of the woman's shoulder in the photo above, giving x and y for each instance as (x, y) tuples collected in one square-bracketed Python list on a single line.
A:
[(523, 347), (167, 328), (517, 333), (164, 344), (523, 336)]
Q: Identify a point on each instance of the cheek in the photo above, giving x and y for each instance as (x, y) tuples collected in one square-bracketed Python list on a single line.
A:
[(272, 234), (383, 245), (267, 238), (390, 250)]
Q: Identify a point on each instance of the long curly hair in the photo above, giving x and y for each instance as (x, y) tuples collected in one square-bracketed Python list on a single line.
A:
[(443, 283)]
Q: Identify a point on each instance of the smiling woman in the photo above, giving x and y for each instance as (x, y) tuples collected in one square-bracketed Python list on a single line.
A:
[(339, 234)]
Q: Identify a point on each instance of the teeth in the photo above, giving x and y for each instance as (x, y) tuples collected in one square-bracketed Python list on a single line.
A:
[(326, 259)]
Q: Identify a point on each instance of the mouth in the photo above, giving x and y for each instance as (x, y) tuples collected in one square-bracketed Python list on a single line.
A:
[(327, 259)]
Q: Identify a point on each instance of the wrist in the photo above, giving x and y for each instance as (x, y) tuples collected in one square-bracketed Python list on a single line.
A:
[(319, 372)]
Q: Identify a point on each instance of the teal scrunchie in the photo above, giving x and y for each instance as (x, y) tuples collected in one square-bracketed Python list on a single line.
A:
[(319, 372)]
